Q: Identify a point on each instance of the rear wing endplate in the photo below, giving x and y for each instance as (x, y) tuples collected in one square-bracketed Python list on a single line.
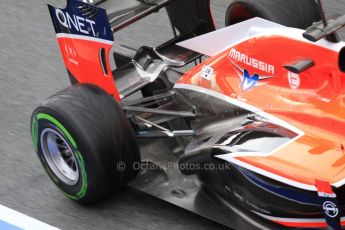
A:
[(85, 39)]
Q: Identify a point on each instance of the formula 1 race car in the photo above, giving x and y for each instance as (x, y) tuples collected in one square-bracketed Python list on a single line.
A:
[(251, 135)]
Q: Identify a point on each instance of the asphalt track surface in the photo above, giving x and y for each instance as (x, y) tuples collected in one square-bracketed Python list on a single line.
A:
[(31, 69)]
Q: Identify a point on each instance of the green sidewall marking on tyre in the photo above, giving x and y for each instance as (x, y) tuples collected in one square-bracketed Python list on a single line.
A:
[(34, 133), (77, 153)]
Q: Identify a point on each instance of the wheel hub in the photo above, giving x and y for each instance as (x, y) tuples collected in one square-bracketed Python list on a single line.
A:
[(59, 156)]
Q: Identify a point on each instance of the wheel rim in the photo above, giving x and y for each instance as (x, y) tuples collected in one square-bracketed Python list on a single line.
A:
[(59, 156)]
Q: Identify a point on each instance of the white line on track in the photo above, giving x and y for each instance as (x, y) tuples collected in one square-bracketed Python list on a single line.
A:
[(17, 220)]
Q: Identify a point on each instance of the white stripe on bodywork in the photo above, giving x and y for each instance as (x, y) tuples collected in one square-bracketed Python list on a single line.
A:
[(231, 159), (218, 41), (82, 37), (295, 220), (22, 221), (339, 183)]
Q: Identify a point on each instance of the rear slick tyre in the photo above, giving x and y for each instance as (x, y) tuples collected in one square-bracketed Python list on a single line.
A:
[(81, 137)]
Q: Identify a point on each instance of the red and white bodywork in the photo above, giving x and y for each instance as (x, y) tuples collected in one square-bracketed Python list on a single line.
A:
[(311, 103)]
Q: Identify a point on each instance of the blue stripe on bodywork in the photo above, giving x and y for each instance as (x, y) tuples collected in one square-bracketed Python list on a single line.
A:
[(284, 192)]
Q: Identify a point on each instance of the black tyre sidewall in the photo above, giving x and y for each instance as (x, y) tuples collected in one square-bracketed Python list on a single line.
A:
[(103, 135)]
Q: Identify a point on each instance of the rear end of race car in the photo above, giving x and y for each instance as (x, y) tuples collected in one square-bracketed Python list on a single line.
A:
[(87, 136)]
